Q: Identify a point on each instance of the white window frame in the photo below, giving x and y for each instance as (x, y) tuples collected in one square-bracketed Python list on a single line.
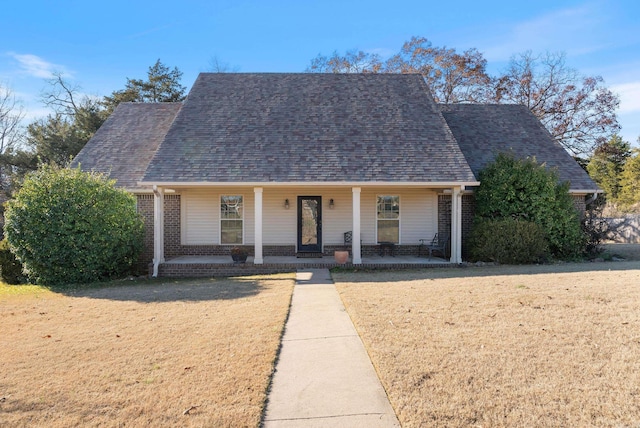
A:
[(221, 219), (399, 219)]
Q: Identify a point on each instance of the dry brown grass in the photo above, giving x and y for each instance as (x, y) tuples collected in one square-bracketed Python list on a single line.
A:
[(141, 355), (504, 346)]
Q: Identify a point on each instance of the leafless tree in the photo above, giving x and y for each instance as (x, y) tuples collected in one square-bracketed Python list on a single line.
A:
[(217, 66), (352, 61), (579, 111), (453, 77), (11, 115)]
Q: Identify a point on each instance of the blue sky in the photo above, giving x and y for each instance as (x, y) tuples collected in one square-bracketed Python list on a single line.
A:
[(98, 44)]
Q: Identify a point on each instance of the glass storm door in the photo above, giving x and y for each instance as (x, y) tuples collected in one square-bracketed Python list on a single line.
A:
[(309, 224)]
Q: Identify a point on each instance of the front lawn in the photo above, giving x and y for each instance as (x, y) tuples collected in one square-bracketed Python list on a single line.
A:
[(163, 353), (504, 346)]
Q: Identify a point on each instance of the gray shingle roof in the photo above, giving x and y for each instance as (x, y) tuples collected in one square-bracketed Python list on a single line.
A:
[(127, 141), (483, 130), (308, 128)]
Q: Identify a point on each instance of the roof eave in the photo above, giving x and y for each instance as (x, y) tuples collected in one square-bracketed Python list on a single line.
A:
[(585, 191), (432, 184)]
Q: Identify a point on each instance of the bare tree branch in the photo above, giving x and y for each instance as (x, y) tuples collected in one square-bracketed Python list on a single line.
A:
[(579, 112), (61, 96), (11, 115), (217, 66)]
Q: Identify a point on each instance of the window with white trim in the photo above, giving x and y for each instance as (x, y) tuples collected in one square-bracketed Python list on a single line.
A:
[(388, 218), (231, 219)]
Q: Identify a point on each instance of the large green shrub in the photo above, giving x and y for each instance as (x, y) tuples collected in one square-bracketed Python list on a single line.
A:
[(525, 190), (508, 241), (10, 267), (68, 226)]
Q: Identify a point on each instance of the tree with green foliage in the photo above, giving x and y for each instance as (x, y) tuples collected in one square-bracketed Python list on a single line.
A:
[(67, 226), (75, 118), (162, 86), (58, 137), (629, 196), (508, 241), (607, 163), (522, 189)]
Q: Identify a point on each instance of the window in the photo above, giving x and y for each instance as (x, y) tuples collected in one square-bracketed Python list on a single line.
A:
[(389, 219), (231, 219)]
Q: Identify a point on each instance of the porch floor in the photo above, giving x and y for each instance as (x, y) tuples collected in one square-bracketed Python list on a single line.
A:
[(211, 266), (327, 260)]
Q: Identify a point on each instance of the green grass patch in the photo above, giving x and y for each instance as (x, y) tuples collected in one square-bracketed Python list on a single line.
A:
[(21, 290)]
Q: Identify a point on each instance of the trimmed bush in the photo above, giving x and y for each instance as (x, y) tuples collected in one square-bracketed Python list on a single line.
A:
[(68, 227), (525, 190), (10, 267), (508, 241)]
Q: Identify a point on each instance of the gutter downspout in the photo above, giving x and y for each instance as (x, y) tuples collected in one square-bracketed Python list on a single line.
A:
[(591, 199)]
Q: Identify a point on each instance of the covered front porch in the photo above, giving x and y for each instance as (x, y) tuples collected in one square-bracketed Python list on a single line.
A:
[(284, 228), (211, 266)]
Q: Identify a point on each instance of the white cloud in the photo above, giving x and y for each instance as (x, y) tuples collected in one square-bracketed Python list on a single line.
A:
[(571, 30), (35, 66), (629, 96)]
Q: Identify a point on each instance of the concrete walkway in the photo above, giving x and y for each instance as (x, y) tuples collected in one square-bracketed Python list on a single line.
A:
[(324, 377)]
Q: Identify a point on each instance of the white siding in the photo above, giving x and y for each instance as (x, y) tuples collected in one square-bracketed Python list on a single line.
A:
[(249, 212), (336, 221), (368, 213), (418, 214), (201, 214), (281, 225)]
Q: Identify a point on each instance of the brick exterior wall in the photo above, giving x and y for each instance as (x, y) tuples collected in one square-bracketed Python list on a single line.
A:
[(374, 250), (580, 202), (444, 214), (145, 209), (192, 270), (468, 211), (172, 247), (444, 219)]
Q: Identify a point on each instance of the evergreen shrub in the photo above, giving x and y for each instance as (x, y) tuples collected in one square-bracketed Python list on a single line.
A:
[(72, 227)]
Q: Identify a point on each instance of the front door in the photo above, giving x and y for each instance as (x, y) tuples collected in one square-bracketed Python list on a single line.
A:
[(309, 224)]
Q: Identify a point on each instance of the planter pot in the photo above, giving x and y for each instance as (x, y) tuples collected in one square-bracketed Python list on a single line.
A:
[(341, 257), (239, 258)]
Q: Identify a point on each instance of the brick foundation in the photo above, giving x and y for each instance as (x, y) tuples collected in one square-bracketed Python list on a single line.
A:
[(194, 270)]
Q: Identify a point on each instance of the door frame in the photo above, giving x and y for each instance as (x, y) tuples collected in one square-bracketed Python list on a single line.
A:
[(312, 248)]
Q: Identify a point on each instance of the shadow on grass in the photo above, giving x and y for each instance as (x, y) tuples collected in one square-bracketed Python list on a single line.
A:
[(172, 290), (470, 271)]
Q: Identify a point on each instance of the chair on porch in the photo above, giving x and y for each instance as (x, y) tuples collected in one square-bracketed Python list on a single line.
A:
[(438, 243), (348, 241)]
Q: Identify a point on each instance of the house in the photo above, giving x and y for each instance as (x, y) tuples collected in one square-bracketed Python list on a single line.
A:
[(285, 164)]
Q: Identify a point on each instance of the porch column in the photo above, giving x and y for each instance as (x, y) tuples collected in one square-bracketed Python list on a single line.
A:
[(456, 225), (355, 241), (158, 228), (258, 260)]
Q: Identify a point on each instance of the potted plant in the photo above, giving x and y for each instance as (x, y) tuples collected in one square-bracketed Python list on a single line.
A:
[(239, 254), (341, 256)]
